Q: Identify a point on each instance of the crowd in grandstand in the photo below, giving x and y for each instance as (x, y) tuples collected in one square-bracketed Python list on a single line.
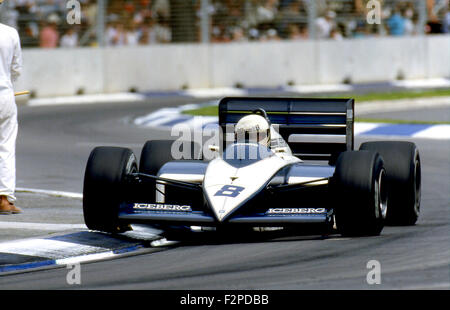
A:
[(43, 23)]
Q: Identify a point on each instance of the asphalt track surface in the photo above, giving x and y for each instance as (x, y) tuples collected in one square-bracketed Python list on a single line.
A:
[(54, 144)]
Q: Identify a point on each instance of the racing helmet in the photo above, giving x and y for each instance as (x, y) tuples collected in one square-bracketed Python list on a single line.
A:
[(253, 128)]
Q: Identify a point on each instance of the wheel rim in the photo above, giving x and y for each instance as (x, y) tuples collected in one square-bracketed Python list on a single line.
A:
[(380, 196), (131, 166), (417, 185)]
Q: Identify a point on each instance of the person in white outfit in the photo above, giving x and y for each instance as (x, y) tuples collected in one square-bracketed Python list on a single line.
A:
[(10, 67)]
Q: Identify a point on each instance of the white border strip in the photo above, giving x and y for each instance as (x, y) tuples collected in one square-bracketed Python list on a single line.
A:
[(50, 193), (87, 99), (41, 226), (85, 258)]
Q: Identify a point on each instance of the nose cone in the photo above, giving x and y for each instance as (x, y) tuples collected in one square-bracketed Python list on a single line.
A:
[(229, 186), (225, 198)]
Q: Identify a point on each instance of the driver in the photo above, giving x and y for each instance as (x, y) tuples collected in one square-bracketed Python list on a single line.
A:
[(253, 128)]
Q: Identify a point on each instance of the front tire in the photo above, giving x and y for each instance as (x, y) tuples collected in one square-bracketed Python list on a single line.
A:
[(359, 185), (104, 187)]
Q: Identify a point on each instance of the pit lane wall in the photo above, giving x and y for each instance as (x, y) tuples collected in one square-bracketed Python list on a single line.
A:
[(172, 67)]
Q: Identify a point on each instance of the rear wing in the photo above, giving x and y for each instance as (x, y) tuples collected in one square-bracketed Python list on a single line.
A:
[(315, 129)]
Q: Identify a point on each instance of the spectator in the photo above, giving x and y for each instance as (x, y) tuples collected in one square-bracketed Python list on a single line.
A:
[(396, 23), (115, 34), (119, 36), (446, 24), (131, 35), (49, 37), (335, 34), (433, 26), (231, 20), (360, 30), (270, 35), (162, 30), (219, 34), (238, 35), (253, 34), (142, 15), (70, 38), (29, 36), (438, 17), (430, 10), (296, 32), (410, 19), (90, 12), (26, 6), (161, 7), (48, 7), (10, 69), (146, 32), (290, 17), (267, 11), (325, 24)]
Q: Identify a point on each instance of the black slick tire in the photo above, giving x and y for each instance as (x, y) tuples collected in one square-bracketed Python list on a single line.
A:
[(105, 187), (403, 171), (359, 188)]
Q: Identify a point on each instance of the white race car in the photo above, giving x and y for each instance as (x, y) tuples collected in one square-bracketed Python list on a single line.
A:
[(289, 162)]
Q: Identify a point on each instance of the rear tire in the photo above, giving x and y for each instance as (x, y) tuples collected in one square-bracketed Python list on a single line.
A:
[(359, 185), (154, 155), (403, 171), (104, 187)]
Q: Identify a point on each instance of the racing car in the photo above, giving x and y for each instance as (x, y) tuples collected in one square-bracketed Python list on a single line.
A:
[(285, 163)]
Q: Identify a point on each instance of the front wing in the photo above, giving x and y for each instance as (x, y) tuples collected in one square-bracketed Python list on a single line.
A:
[(273, 217), (272, 207)]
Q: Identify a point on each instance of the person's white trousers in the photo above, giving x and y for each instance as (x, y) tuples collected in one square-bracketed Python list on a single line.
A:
[(8, 135)]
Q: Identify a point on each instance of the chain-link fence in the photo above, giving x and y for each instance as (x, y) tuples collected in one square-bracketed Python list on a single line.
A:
[(70, 23)]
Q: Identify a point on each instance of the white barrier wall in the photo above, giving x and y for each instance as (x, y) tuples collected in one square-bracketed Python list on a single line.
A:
[(254, 64)]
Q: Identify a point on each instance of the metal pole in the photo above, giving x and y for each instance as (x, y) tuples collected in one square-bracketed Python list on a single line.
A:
[(312, 16), (205, 21), (101, 22), (423, 16)]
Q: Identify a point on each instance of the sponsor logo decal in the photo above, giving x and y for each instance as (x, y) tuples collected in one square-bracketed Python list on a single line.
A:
[(296, 211), (161, 207)]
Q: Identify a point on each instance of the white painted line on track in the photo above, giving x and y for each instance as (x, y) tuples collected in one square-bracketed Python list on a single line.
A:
[(41, 226), (109, 254), (319, 88), (50, 193), (87, 99), (433, 286), (85, 258), (215, 92), (95, 144), (422, 83)]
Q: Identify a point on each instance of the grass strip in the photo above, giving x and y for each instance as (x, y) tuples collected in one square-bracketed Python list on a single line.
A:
[(213, 109)]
